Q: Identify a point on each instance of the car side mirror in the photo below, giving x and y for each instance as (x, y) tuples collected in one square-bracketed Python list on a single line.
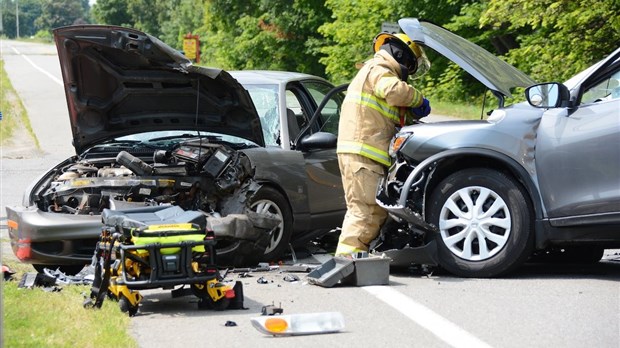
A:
[(548, 95), (318, 140)]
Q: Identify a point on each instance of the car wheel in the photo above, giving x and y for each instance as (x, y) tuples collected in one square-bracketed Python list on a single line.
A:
[(269, 200), (66, 269), (484, 223)]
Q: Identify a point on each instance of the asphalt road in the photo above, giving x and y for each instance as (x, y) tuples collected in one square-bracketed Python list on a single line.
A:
[(540, 305)]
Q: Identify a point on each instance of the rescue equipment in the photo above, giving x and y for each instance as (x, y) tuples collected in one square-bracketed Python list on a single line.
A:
[(150, 248)]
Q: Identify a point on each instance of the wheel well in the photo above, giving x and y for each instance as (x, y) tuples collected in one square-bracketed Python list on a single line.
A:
[(447, 166), (280, 191)]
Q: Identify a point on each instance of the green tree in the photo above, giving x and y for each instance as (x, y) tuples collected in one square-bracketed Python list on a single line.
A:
[(185, 17), (556, 38), (111, 12), (266, 34), (29, 11), (58, 13), (349, 35)]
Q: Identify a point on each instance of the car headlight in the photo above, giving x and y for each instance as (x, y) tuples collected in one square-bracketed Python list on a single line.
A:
[(397, 142)]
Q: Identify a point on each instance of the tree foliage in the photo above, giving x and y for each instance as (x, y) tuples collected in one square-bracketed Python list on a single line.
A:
[(29, 11), (60, 13), (548, 39), (556, 38), (265, 34)]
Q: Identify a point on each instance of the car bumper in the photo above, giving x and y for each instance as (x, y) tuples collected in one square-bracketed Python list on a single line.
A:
[(49, 238)]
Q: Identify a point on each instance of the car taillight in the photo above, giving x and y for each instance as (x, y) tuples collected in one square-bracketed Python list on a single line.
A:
[(24, 249)]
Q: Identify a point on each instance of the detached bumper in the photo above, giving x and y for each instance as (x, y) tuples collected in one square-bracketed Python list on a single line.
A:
[(50, 238)]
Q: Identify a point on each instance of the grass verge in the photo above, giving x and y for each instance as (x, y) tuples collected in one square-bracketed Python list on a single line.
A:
[(13, 112), (463, 111), (35, 318)]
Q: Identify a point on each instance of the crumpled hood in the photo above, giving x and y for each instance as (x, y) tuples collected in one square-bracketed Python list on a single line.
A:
[(120, 81)]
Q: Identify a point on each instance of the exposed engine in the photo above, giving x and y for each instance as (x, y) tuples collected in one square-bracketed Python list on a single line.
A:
[(196, 175)]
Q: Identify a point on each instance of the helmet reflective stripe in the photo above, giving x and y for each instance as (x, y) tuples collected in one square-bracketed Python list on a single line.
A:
[(369, 100), (365, 150), (384, 84), (344, 249)]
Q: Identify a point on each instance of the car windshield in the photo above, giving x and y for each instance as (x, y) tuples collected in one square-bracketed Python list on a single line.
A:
[(265, 98)]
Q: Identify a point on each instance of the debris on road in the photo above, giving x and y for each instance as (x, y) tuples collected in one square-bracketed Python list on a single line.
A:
[(32, 279), (272, 310), (299, 324), (7, 273)]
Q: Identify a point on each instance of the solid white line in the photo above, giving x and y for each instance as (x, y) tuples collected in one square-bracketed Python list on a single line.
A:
[(54, 78), (431, 321)]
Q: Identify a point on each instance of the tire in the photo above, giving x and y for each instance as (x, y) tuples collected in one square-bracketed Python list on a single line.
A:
[(126, 307), (464, 221), (270, 200), (66, 269)]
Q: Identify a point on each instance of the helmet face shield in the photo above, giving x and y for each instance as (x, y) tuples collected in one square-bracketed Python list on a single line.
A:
[(419, 64), (423, 64)]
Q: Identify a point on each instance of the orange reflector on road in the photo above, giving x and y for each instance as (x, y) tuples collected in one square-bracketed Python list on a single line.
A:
[(299, 324), (276, 325)]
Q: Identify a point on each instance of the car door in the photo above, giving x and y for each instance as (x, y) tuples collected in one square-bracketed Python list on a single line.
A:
[(325, 193), (578, 155)]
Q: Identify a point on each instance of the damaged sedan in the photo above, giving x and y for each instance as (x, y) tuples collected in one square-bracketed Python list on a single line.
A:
[(535, 178), (152, 130)]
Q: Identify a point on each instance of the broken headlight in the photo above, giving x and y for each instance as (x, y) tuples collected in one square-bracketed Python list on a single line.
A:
[(397, 142)]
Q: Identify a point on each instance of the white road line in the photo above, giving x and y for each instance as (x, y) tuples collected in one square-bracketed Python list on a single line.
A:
[(54, 78), (431, 321)]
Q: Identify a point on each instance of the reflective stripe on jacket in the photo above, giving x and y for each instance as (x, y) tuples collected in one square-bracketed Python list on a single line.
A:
[(375, 102)]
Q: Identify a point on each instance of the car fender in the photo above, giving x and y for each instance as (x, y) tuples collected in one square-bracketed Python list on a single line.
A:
[(436, 162), (284, 170)]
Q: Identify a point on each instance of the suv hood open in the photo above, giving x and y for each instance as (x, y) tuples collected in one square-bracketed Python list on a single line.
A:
[(121, 81), (491, 71)]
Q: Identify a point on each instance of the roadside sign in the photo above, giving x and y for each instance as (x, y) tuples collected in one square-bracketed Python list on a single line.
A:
[(191, 47), (390, 27)]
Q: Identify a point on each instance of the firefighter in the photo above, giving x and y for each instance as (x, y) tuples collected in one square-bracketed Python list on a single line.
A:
[(378, 100)]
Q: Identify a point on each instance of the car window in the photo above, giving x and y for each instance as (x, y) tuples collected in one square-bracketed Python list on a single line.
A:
[(608, 89), (265, 98), (330, 114)]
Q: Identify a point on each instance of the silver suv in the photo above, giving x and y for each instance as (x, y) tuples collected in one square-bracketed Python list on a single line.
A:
[(481, 197)]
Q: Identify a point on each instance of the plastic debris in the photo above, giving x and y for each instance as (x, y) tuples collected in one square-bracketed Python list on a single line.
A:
[(271, 310), (84, 277), (7, 273), (262, 280), (230, 323), (299, 324), (291, 278), (30, 280)]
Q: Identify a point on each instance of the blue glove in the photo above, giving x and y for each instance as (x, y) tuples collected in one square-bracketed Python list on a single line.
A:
[(422, 110)]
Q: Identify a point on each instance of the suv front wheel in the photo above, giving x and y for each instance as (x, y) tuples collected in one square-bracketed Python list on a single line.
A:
[(484, 223)]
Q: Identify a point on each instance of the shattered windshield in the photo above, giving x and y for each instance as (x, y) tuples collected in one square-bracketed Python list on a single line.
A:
[(265, 98)]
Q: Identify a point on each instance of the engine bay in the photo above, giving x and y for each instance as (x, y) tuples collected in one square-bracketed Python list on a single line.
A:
[(195, 175)]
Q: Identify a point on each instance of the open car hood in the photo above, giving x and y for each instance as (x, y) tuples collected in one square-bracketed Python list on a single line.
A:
[(491, 71), (120, 81)]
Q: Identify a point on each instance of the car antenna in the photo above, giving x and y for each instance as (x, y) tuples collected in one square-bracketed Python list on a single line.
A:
[(196, 118)]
